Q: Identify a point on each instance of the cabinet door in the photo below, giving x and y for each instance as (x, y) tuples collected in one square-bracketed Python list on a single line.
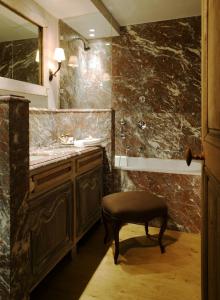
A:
[(51, 229), (88, 200)]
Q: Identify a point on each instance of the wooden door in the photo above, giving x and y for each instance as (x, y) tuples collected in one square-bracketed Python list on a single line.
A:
[(211, 145)]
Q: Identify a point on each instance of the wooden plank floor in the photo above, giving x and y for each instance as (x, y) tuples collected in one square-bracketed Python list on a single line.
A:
[(142, 273)]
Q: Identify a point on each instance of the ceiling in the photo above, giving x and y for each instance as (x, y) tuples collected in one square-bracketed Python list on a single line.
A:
[(144, 11), (67, 8), (83, 15), (95, 21)]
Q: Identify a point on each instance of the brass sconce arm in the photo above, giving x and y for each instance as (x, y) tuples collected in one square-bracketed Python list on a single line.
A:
[(51, 74), (59, 56)]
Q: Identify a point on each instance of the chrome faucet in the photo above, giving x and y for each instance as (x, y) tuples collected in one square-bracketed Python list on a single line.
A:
[(122, 131), (127, 149), (141, 150), (123, 136), (142, 125), (123, 122)]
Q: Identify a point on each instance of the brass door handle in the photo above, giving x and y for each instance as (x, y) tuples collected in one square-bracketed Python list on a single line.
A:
[(189, 156)]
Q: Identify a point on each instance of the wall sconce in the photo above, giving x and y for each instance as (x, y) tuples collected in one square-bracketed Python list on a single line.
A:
[(73, 61), (59, 56), (106, 77)]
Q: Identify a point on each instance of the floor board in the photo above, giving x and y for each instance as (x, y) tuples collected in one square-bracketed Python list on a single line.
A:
[(142, 273)]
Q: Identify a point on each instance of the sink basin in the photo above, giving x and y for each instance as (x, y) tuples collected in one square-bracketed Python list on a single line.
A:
[(88, 142)]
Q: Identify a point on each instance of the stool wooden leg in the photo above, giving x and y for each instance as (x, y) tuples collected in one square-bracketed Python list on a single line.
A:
[(116, 228), (106, 228), (162, 230), (146, 229)]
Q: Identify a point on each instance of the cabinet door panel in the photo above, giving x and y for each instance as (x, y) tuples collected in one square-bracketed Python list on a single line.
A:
[(88, 199), (51, 229)]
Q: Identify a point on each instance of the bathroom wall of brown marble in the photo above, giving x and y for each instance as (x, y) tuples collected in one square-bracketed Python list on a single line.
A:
[(87, 84), (18, 60), (14, 190), (156, 89)]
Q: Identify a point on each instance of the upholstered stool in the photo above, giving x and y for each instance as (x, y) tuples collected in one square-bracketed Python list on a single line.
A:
[(132, 207)]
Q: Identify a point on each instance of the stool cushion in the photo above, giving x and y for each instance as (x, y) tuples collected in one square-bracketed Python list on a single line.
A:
[(137, 206)]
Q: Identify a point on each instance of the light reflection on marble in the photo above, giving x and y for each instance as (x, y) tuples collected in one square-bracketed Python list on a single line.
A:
[(6, 59), (89, 84), (156, 79), (17, 60)]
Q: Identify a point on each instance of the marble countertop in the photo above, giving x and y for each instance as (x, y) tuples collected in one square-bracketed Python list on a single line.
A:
[(40, 157)]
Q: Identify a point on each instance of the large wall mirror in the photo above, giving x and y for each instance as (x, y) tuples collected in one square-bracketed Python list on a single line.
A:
[(20, 48)]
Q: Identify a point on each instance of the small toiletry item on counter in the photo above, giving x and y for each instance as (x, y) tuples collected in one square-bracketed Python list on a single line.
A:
[(67, 140)]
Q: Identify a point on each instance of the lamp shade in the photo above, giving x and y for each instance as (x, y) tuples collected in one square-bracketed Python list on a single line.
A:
[(73, 61), (106, 77), (59, 54), (37, 58)]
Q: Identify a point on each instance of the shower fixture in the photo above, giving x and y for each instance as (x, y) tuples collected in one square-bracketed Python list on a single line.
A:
[(85, 43)]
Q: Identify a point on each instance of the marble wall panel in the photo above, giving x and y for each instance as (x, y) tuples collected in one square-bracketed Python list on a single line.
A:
[(17, 60), (6, 59), (14, 193), (89, 84), (165, 135), (43, 128), (5, 202), (181, 192), (156, 79), (46, 126)]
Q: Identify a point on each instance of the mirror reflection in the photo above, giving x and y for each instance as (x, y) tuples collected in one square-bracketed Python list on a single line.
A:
[(20, 48)]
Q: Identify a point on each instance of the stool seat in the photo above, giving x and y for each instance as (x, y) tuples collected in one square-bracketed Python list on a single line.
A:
[(134, 206)]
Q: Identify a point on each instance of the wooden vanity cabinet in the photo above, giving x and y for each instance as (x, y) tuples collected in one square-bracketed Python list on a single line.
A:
[(88, 200), (64, 203), (51, 229), (50, 218)]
